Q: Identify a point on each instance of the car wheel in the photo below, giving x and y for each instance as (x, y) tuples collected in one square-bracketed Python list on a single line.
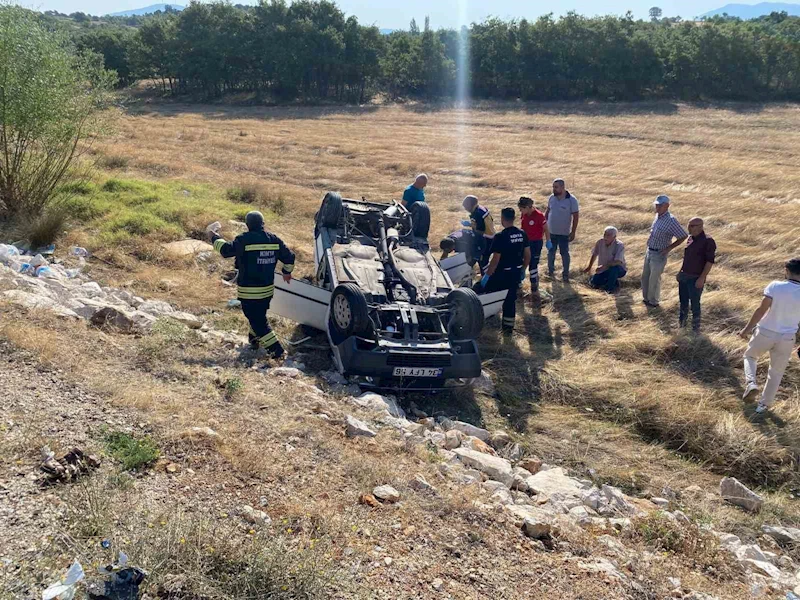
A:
[(349, 310), (421, 218), (331, 210), (466, 314)]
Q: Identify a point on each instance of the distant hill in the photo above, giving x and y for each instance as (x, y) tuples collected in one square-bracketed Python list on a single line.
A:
[(146, 10), (753, 11)]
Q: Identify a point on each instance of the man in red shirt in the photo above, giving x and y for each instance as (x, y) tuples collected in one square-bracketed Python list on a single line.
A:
[(535, 226)]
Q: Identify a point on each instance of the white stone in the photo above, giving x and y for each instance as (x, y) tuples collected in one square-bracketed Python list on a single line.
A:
[(484, 384), (499, 440), (33, 301), (495, 467), (187, 248), (618, 501), (436, 438), (782, 535), (764, 567), (602, 566), (386, 493), (355, 428), (520, 476), (378, 403), (421, 484), (254, 516), (674, 583), (660, 502), (91, 289), (184, 318), (536, 527), (581, 515), (735, 492), (612, 543), (555, 483), (156, 308), (468, 429), (287, 372), (452, 439), (750, 552)]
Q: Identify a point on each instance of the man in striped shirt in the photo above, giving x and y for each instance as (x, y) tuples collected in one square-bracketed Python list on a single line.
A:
[(665, 228)]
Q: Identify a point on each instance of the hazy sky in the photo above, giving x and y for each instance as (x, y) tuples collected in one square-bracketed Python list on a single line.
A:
[(396, 14)]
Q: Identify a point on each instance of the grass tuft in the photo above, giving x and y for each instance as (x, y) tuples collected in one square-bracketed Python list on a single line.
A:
[(133, 453)]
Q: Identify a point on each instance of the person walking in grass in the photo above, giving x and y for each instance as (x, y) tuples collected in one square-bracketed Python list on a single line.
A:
[(611, 267), (563, 213), (416, 191), (773, 328), (257, 253), (665, 228), (535, 227), (698, 259)]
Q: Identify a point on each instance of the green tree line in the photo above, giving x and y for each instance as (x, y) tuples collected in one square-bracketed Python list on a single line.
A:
[(311, 50)]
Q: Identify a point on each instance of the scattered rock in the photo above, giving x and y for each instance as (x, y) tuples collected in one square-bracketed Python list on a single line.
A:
[(499, 440), (735, 492), (187, 319), (660, 502), (437, 584), (533, 465), (201, 433), (287, 372), (536, 527), (452, 439), (254, 516), (187, 248), (386, 493), (674, 583), (782, 535), (420, 484), (601, 566), (484, 384), (356, 428), (369, 500), (474, 443), (763, 567), (520, 475), (466, 428), (617, 500), (172, 468), (581, 515), (512, 452), (378, 403), (555, 483), (156, 308), (29, 300), (495, 467)]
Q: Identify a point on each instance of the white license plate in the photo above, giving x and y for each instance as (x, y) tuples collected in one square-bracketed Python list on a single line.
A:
[(416, 372)]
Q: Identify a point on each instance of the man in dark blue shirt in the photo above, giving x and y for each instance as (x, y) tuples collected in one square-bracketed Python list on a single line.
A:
[(415, 192), (511, 255)]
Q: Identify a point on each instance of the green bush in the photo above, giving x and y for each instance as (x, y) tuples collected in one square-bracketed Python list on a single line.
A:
[(139, 223), (133, 453)]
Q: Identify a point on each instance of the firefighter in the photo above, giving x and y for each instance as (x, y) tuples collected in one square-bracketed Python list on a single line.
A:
[(511, 256), (480, 219), (257, 253)]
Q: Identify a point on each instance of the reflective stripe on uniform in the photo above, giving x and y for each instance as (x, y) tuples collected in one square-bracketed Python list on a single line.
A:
[(255, 247), (288, 268), (256, 293), (268, 340), (218, 244)]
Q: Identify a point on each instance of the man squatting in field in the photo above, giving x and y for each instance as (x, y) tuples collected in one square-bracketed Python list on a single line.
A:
[(511, 255), (774, 327), (257, 253)]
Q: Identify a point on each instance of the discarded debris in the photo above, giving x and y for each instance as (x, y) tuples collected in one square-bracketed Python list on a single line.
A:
[(69, 467), (123, 582), (66, 588)]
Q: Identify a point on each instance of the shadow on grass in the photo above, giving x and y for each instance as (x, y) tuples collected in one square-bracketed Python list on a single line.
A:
[(569, 303), (223, 112)]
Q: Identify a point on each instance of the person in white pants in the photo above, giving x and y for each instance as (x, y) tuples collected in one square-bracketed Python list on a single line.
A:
[(773, 328)]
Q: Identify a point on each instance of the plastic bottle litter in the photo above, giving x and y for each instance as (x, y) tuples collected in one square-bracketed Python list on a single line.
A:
[(66, 588), (78, 251), (234, 303), (791, 596), (8, 252), (39, 260), (124, 583), (215, 227), (46, 272), (27, 269)]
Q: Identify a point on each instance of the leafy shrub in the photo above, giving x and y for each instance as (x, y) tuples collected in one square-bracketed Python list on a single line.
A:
[(133, 453)]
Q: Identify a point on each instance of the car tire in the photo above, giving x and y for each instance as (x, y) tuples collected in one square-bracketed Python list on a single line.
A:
[(421, 218), (466, 314), (331, 210), (349, 310)]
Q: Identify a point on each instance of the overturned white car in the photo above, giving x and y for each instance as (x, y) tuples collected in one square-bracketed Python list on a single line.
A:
[(389, 309)]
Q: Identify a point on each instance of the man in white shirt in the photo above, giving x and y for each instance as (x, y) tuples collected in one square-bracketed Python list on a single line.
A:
[(776, 323)]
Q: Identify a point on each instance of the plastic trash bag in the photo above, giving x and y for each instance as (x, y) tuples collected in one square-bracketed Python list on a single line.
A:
[(38, 261), (7, 253), (215, 227), (124, 581), (66, 588), (78, 251)]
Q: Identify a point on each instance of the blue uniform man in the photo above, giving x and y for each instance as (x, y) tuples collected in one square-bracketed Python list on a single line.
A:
[(415, 192), (257, 253), (511, 256)]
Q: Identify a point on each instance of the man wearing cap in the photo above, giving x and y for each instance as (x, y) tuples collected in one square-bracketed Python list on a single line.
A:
[(482, 223), (698, 258), (416, 191), (610, 255), (562, 221), (257, 253), (535, 227), (665, 228), (511, 255)]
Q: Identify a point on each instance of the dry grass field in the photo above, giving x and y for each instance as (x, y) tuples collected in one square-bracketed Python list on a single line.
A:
[(734, 166), (597, 383)]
